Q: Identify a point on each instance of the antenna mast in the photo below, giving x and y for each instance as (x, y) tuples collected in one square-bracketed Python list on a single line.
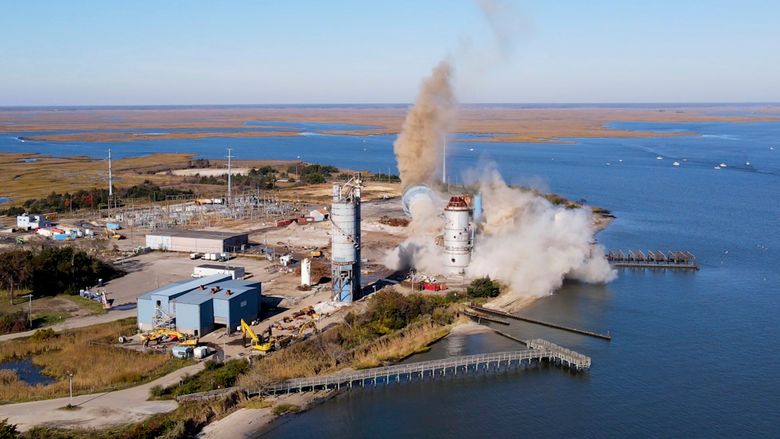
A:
[(230, 177), (444, 161)]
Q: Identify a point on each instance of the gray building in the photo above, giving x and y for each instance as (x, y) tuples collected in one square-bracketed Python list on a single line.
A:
[(196, 241), (200, 306)]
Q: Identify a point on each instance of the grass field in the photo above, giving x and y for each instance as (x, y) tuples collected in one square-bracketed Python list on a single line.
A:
[(93, 356)]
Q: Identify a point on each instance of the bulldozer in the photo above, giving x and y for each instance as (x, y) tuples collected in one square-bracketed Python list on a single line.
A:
[(257, 344)]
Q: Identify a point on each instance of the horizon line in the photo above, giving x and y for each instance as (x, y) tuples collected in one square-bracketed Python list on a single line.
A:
[(396, 104)]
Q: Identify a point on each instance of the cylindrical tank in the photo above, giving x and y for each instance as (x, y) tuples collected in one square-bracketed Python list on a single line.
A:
[(344, 230), (457, 235), (416, 194), (345, 241), (306, 272)]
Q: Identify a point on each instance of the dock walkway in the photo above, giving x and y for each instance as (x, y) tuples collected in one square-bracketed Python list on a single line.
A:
[(684, 260), (540, 350), (541, 322)]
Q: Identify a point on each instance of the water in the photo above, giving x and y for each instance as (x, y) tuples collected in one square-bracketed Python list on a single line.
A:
[(693, 354), (4, 200), (27, 371)]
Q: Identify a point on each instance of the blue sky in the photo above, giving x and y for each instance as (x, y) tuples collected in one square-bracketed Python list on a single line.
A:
[(254, 51)]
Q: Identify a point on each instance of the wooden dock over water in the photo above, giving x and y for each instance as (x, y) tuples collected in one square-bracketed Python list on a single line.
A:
[(684, 260), (541, 322), (539, 351)]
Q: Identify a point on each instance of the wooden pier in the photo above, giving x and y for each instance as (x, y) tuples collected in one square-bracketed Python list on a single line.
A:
[(539, 351), (541, 322), (684, 260)]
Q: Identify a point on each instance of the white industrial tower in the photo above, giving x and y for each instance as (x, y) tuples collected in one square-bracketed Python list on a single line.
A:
[(345, 239), (457, 235)]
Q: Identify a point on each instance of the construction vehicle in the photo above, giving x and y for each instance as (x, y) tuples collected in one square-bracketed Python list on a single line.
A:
[(310, 324), (257, 344), (162, 336), (113, 234)]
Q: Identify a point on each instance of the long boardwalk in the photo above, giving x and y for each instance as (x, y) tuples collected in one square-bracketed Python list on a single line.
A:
[(540, 350)]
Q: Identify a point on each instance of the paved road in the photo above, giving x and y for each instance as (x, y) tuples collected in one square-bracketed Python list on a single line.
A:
[(98, 409)]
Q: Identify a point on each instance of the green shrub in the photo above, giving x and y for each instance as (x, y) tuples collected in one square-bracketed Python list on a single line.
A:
[(43, 334), (8, 431), (483, 287)]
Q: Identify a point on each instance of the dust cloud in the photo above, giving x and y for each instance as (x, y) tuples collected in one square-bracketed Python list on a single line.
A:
[(420, 145), (523, 241)]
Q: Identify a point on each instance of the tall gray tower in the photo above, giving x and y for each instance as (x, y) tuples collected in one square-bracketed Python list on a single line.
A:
[(345, 239)]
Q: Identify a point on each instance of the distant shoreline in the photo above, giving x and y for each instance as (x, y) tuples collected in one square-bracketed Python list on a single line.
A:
[(504, 122)]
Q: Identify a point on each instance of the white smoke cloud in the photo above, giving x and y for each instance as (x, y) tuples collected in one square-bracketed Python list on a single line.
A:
[(531, 245)]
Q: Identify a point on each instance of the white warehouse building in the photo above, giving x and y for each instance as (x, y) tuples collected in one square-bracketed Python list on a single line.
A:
[(198, 241)]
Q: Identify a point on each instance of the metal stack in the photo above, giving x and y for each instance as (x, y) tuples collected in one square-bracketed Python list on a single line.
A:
[(345, 238)]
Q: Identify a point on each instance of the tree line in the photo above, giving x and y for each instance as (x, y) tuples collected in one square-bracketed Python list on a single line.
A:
[(51, 271), (93, 198)]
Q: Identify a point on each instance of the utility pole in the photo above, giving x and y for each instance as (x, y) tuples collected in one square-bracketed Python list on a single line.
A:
[(230, 177)]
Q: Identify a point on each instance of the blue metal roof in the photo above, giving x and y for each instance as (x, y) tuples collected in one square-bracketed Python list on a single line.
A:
[(193, 298), (179, 288)]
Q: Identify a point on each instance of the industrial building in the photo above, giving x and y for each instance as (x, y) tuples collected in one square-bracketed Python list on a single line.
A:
[(199, 241), (210, 269), (345, 240), (197, 306), (32, 221)]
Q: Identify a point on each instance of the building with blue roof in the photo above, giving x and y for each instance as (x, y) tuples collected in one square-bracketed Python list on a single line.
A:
[(199, 306)]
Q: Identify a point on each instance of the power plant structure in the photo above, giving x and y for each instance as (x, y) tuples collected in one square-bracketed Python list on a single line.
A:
[(458, 235), (461, 215), (345, 240)]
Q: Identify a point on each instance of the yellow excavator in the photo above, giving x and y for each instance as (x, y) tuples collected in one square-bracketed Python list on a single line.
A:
[(160, 335), (257, 344)]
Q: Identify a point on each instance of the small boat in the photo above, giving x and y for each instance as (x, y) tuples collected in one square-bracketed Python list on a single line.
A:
[(676, 164), (609, 164), (717, 168), (747, 163), (621, 160), (722, 165), (659, 158), (471, 149)]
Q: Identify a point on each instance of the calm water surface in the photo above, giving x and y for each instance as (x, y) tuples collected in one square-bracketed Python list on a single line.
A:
[(693, 354)]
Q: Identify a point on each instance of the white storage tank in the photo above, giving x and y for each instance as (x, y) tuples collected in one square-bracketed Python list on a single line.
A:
[(306, 272)]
